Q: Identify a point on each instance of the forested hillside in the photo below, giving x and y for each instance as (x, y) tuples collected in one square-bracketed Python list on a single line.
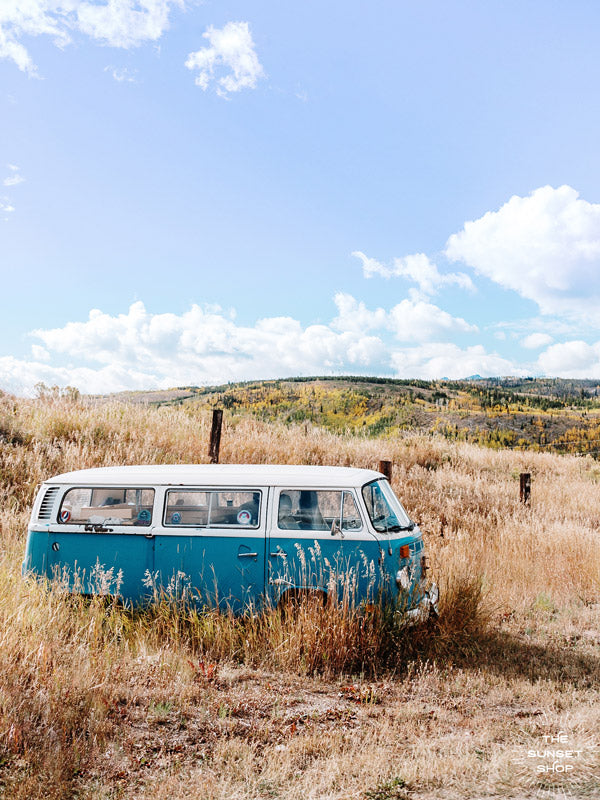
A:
[(539, 414)]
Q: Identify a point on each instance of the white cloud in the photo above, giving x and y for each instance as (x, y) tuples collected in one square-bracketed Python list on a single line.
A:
[(122, 74), (353, 315), (537, 340), (21, 376), (31, 18), (16, 52), (139, 349), (411, 320), (118, 23), (6, 206), (416, 268), (574, 359), (231, 49), (417, 321), (39, 353), (15, 178), (206, 346), (435, 360), (125, 23), (545, 246)]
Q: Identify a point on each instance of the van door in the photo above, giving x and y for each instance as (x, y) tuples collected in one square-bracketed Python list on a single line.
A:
[(211, 546), (100, 542), (305, 545)]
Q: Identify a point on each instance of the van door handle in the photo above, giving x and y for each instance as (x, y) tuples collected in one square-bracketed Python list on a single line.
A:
[(280, 553), (247, 555)]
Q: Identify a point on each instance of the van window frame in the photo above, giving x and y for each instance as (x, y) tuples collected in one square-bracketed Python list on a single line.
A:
[(349, 489), (91, 487), (209, 527)]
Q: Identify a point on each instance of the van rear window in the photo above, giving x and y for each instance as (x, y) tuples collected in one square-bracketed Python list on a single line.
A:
[(116, 506), (212, 508)]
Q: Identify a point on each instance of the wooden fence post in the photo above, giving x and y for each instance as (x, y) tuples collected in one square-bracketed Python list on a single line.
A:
[(215, 436), (525, 487), (386, 468)]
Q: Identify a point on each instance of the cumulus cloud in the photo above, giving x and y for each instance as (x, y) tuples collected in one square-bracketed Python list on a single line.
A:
[(447, 360), (545, 246), (39, 353), (416, 268), (573, 359), (353, 315), (117, 23), (536, 340), (230, 50), (417, 321), (20, 377), (205, 345), (411, 320)]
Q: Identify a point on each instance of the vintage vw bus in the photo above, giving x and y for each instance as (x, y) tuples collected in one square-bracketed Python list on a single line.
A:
[(234, 536)]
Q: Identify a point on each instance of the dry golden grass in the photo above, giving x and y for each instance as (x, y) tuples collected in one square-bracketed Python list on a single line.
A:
[(97, 702)]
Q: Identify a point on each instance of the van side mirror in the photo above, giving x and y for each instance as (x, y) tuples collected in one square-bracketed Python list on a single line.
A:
[(335, 529)]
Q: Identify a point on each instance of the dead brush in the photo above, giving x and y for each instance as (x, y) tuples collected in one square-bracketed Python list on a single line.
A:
[(464, 618), (311, 637), (52, 686)]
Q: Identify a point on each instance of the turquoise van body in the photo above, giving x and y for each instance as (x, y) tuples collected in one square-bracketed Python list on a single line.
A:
[(230, 536)]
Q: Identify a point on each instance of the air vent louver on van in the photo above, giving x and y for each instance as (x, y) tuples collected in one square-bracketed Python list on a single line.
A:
[(45, 511)]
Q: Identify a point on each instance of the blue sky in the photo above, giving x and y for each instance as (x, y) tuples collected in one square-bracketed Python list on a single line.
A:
[(199, 192)]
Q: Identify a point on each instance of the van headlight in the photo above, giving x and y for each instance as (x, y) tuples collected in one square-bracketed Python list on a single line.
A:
[(434, 596), (403, 579)]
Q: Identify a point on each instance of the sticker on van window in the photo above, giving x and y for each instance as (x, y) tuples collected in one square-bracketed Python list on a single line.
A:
[(176, 518), (65, 515), (144, 517), (244, 517)]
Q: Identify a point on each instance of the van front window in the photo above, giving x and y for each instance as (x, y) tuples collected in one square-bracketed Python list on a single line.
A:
[(317, 510), (384, 508)]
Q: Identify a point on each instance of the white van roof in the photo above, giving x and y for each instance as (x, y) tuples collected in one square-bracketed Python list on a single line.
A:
[(218, 475)]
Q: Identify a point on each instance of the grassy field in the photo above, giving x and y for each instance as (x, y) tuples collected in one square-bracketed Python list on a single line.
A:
[(97, 702)]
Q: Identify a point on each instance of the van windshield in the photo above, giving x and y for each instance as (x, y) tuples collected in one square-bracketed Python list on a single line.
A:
[(384, 508)]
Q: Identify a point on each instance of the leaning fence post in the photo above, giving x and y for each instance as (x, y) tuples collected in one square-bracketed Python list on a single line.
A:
[(386, 468), (215, 436), (525, 487)]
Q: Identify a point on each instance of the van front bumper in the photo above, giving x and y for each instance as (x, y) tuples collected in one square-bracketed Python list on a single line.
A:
[(426, 608)]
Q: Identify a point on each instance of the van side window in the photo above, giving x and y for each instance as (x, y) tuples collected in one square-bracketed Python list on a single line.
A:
[(117, 506), (212, 508), (317, 510)]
